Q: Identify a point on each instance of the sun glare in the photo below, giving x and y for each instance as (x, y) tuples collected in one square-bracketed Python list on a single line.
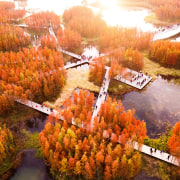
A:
[(107, 3)]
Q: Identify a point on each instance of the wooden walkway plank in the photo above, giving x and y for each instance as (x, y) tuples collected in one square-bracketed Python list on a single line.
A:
[(167, 33), (135, 83), (102, 95), (144, 148), (158, 154)]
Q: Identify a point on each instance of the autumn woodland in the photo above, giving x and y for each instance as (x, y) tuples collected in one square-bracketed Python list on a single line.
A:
[(102, 150)]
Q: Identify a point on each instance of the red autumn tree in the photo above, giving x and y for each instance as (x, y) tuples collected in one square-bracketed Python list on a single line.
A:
[(83, 20), (97, 70), (48, 41), (43, 20), (7, 148), (69, 39), (13, 38), (174, 141)]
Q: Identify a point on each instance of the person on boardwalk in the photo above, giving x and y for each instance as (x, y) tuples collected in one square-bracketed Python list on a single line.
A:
[(168, 156), (155, 150), (151, 151)]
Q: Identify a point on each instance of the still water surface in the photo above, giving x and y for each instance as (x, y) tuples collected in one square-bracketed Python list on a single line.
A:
[(158, 104), (31, 168)]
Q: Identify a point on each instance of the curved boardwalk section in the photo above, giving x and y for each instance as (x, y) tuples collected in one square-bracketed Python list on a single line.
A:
[(169, 32), (144, 149), (101, 98)]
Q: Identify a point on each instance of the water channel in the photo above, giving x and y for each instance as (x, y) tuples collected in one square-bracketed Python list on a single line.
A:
[(157, 104)]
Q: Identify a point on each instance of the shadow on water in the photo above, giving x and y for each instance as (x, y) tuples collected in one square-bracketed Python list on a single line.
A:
[(36, 124), (143, 176), (158, 104), (31, 168)]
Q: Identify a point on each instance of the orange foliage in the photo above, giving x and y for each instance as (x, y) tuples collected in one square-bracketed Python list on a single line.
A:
[(31, 73), (129, 58), (79, 108), (48, 41), (87, 154), (8, 13), (166, 53), (82, 20), (43, 19), (69, 39), (116, 37), (89, 157), (6, 144), (97, 70), (13, 38), (124, 123), (174, 141), (166, 9)]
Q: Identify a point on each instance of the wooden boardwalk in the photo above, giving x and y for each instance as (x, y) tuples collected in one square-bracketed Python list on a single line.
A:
[(102, 95), (139, 81), (118, 77), (101, 98), (167, 33), (143, 148), (70, 53), (51, 32)]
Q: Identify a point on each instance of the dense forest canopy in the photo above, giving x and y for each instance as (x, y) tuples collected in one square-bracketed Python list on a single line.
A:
[(31, 73), (82, 20), (8, 13), (77, 152)]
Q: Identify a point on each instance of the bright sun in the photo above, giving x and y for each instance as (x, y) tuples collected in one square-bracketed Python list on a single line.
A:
[(107, 3)]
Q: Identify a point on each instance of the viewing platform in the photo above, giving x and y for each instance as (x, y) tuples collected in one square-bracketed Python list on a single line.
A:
[(134, 78), (143, 148)]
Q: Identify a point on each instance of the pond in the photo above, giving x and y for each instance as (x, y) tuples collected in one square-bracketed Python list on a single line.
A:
[(158, 104), (113, 15), (31, 168), (36, 124)]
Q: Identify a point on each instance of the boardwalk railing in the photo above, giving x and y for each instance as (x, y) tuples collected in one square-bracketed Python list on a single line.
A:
[(143, 148), (101, 98), (171, 31), (102, 95)]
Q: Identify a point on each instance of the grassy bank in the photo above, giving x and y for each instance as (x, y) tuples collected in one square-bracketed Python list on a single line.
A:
[(119, 88), (31, 140), (152, 68), (135, 4), (19, 114), (124, 3), (75, 79), (155, 69), (153, 19), (154, 168)]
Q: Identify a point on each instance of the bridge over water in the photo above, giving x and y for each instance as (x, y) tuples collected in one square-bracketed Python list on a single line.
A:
[(142, 148), (167, 33), (101, 98)]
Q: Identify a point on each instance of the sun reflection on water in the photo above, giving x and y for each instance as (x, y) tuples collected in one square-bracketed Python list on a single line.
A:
[(110, 12), (115, 15)]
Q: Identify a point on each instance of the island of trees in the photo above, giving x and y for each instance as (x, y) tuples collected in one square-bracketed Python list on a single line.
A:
[(104, 149)]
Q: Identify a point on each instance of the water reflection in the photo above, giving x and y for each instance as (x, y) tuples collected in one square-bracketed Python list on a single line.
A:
[(31, 168), (36, 124), (113, 15), (158, 105)]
